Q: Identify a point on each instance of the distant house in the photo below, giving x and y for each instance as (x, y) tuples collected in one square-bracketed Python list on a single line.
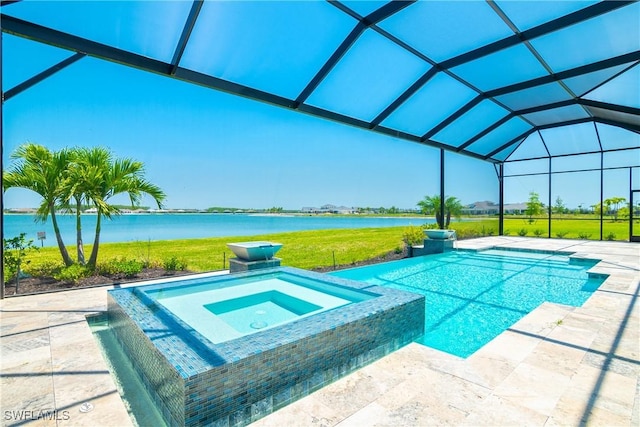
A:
[(515, 208), (345, 210), (21, 210), (490, 208), (481, 208), (324, 209)]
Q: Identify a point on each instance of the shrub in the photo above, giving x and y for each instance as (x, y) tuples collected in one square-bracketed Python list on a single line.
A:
[(124, 266), (14, 252), (466, 234), (611, 236), (174, 264), (523, 232), (561, 234), (537, 232), (46, 268), (485, 232), (73, 274), (583, 235), (413, 235)]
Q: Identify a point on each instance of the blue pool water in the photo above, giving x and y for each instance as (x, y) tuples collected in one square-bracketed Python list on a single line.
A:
[(228, 307), (258, 311), (472, 297)]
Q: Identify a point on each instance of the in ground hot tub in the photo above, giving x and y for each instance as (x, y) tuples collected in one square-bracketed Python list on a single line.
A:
[(231, 349)]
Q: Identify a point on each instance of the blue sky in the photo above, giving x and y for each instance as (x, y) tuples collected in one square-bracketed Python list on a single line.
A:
[(207, 148)]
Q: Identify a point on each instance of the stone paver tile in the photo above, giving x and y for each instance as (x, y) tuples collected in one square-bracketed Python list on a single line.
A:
[(37, 359), (573, 411), (411, 413), (82, 386), (576, 331), (611, 363), (510, 345), (541, 321), (606, 390), (533, 387), (28, 418), (601, 304), (306, 412), (487, 371), (409, 361), (59, 321), (452, 392), (27, 391), (77, 356), (497, 411), (25, 324), (570, 411), (552, 356), (351, 393), (105, 410)]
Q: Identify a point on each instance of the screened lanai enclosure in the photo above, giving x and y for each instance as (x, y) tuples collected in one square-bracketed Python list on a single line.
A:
[(545, 94)]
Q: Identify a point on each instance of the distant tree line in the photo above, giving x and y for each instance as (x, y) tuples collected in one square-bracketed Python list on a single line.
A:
[(615, 207)]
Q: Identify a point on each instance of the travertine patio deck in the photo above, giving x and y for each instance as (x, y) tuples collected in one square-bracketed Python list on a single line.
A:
[(557, 366)]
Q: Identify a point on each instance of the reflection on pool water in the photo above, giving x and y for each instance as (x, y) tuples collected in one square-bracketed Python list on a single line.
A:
[(472, 297)]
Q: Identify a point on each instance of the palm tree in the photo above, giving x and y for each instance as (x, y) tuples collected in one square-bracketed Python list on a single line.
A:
[(43, 172), (107, 177), (615, 202), (85, 173), (431, 205)]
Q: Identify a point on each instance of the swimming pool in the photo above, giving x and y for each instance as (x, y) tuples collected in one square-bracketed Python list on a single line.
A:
[(472, 297)]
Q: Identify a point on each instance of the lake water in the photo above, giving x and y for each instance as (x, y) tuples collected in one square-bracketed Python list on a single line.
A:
[(143, 227)]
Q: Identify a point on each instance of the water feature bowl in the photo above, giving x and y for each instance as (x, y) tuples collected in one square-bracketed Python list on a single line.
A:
[(254, 251), (439, 234)]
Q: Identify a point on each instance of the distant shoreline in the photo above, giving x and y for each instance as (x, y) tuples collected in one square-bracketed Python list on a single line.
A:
[(172, 226), (259, 214)]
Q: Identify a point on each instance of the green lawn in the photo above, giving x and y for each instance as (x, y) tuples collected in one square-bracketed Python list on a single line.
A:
[(303, 249), (309, 249)]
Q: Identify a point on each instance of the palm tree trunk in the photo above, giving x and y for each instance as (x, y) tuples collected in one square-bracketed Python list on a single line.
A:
[(93, 259), (439, 220), (446, 226), (79, 244), (63, 250)]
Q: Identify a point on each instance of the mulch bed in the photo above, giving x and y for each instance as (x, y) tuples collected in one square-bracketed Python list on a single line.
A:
[(390, 256), (31, 285)]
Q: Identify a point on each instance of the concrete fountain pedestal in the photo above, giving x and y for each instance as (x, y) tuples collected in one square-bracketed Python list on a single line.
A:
[(436, 242), (253, 256)]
